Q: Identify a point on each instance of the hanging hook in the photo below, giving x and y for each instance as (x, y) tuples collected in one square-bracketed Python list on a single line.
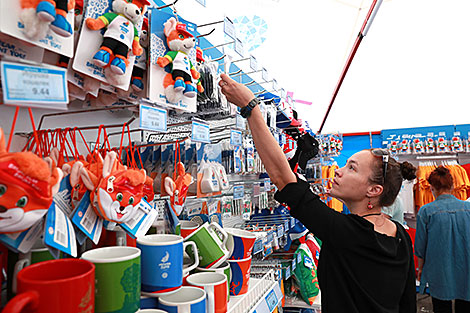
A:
[(250, 83), (218, 59), (168, 5), (207, 34), (260, 92)]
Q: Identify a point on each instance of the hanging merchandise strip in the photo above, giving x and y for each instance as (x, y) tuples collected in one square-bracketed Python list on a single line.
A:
[(34, 86)]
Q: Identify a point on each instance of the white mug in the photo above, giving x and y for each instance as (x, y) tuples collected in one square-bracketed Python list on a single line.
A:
[(215, 286), (151, 311), (185, 300)]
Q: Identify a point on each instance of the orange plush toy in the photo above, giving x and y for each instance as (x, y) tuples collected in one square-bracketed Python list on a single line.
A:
[(27, 185), (178, 189), (120, 190)]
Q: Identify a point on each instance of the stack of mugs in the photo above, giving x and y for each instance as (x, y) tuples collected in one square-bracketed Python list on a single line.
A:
[(151, 277)]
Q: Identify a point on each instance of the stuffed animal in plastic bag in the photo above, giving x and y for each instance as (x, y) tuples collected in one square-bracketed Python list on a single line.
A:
[(39, 15), (27, 185), (180, 79), (121, 34), (140, 65), (120, 190), (178, 189)]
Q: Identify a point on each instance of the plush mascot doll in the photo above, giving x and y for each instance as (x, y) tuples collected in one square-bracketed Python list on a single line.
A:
[(37, 14), (200, 62), (140, 64), (119, 191), (121, 34), (27, 185), (180, 42), (178, 189)]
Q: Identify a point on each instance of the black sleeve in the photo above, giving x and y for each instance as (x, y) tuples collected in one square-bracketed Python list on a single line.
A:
[(308, 208), (408, 298)]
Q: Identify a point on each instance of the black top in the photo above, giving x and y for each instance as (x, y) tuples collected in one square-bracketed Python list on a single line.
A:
[(360, 270)]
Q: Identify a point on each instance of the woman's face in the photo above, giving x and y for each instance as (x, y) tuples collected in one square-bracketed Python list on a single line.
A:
[(351, 182)]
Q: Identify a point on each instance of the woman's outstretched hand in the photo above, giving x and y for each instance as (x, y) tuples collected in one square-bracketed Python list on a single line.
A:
[(235, 93)]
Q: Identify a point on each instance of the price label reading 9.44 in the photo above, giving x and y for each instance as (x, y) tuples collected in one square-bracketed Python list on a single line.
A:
[(34, 86), (152, 118)]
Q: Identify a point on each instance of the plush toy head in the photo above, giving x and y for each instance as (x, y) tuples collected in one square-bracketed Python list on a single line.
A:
[(27, 185), (131, 9), (177, 37), (143, 38)]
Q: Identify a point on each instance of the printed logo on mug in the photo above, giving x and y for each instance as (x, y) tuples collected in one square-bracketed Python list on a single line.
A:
[(240, 243), (211, 247), (215, 286), (55, 286), (240, 276), (162, 263)]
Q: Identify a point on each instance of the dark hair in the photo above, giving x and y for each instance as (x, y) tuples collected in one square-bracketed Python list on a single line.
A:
[(396, 172), (441, 179)]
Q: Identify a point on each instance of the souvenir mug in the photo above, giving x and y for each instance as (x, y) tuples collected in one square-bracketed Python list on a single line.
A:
[(215, 286), (162, 263), (240, 276), (212, 250), (55, 286), (185, 300), (187, 227), (224, 268), (117, 278), (240, 243)]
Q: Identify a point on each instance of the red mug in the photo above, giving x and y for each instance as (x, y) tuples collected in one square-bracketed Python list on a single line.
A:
[(188, 227), (55, 286)]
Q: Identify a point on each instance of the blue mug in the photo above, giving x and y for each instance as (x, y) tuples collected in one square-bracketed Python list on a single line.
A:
[(162, 263), (185, 300)]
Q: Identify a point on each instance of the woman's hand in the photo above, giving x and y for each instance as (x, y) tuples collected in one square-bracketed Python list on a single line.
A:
[(235, 93)]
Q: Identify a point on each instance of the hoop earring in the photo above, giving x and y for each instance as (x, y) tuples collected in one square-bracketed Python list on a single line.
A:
[(369, 205)]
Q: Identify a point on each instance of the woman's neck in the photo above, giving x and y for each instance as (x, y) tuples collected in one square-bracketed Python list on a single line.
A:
[(360, 208), (442, 192)]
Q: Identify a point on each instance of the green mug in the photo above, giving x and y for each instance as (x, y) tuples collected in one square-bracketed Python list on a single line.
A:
[(210, 240), (117, 276), (224, 268)]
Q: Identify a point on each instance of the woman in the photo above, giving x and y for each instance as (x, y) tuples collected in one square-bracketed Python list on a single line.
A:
[(442, 245), (396, 210), (366, 262)]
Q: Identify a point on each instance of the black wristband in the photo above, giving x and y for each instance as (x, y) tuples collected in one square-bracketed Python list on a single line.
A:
[(246, 111)]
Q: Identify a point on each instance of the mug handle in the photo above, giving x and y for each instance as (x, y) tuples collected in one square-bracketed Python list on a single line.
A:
[(223, 232), (19, 265), (196, 254), (28, 299)]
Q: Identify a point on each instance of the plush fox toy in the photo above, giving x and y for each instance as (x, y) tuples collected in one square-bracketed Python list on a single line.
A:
[(38, 15), (121, 34), (27, 185), (178, 189), (180, 42), (119, 191)]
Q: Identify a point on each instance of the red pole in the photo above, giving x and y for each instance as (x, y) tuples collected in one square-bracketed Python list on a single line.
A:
[(363, 32)]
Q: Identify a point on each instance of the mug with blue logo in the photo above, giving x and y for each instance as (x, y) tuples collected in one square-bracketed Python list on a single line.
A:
[(186, 300), (162, 263)]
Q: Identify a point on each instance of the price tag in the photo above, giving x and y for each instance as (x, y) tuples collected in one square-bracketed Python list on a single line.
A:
[(200, 132), (253, 63), (283, 93), (152, 118), (457, 133), (294, 264), (287, 272), (240, 122), (271, 300), (267, 184), (264, 74), (238, 192), (34, 86), (238, 47), (229, 28), (442, 133), (430, 134), (236, 138), (275, 86), (299, 258)]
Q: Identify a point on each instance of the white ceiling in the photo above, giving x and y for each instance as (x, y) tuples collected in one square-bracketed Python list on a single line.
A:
[(411, 70)]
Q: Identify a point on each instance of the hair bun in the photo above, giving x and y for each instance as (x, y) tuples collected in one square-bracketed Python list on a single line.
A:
[(442, 171), (408, 171)]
